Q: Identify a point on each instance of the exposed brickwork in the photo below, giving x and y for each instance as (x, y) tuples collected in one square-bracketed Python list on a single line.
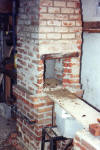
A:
[(34, 108), (95, 129), (44, 26), (47, 27), (71, 74), (28, 61), (59, 23)]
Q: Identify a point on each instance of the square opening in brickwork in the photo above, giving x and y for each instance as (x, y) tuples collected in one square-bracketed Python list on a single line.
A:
[(53, 71), (56, 71)]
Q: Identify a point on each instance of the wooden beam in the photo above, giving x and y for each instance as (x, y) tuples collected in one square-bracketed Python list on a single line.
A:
[(91, 27), (59, 56), (74, 106)]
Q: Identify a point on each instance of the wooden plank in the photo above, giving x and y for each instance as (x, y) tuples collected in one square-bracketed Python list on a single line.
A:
[(7, 87), (91, 27), (78, 109), (59, 56)]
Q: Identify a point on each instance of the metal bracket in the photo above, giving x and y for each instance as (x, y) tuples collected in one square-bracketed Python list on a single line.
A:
[(21, 116), (53, 138)]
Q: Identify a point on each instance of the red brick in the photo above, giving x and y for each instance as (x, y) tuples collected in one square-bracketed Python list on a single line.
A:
[(40, 68), (68, 23), (68, 64), (79, 93), (67, 70), (40, 81), (39, 105), (95, 129), (46, 3), (67, 60), (70, 81), (74, 76), (78, 5), (98, 120), (19, 55), (44, 110), (79, 41)]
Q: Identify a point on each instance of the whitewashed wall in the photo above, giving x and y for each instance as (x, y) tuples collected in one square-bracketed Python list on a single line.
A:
[(91, 11), (90, 71)]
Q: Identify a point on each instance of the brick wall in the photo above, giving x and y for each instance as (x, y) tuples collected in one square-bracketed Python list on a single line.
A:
[(86, 141), (44, 26), (47, 26), (29, 65), (37, 109), (60, 26), (71, 74)]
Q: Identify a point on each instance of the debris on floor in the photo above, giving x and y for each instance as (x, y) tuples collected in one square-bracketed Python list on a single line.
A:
[(8, 135)]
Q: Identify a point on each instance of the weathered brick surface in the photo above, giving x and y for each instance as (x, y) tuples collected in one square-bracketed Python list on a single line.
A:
[(66, 15), (44, 26), (71, 74), (27, 46), (34, 108)]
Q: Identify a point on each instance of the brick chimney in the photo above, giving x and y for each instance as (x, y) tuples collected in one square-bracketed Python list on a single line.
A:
[(44, 27)]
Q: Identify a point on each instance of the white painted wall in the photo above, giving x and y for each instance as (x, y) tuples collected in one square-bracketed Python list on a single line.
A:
[(67, 125), (54, 68), (50, 65), (90, 71), (91, 11)]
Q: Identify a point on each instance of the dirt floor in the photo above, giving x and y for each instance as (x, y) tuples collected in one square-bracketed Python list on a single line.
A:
[(7, 128)]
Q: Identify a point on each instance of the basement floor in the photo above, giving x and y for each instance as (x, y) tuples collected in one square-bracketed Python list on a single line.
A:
[(7, 132)]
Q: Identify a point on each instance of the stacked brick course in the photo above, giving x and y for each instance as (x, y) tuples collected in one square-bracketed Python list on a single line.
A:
[(44, 27), (37, 109), (60, 25)]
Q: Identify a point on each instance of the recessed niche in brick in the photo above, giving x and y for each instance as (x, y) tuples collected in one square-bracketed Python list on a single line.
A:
[(53, 70)]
